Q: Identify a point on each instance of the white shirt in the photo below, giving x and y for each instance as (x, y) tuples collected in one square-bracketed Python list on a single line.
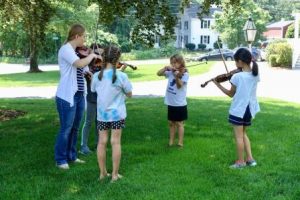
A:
[(175, 96), (67, 86), (245, 94), (111, 96)]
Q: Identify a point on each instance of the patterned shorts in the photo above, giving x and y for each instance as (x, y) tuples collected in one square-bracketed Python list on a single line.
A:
[(110, 125)]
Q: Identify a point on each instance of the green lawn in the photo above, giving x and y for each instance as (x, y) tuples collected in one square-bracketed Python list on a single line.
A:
[(51, 78), (151, 170)]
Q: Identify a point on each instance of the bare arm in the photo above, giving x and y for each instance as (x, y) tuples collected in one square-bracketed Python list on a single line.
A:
[(179, 82), (161, 72), (229, 92), (80, 63)]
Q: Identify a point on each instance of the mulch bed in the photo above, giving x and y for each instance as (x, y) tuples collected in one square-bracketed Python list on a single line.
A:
[(6, 115)]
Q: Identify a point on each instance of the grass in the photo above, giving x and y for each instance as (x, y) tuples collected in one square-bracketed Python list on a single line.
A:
[(151, 170), (51, 78)]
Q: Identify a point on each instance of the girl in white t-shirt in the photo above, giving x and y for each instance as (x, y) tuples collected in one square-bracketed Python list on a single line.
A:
[(175, 97), (70, 100), (112, 87), (244, 104)]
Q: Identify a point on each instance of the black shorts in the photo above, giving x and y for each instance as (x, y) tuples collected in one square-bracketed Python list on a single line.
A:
[(245, 121), (110, 125), (177, 113)]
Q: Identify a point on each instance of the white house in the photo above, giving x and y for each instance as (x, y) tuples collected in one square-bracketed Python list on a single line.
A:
[(191, 29)]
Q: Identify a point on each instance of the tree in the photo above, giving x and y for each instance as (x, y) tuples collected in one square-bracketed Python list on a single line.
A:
[(150, 17), (230, 24), (279, 9), (34, 15)]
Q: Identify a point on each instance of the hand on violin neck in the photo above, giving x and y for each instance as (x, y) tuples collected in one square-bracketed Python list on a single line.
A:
[(169, 68)]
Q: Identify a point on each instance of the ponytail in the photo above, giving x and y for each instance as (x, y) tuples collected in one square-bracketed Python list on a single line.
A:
[(254, 68)]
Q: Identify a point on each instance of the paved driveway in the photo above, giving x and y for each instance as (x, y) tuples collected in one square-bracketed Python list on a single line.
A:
[(275, 83)]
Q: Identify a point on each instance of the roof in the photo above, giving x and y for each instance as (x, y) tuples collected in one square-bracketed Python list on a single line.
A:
[(280, 24), (193, 9)]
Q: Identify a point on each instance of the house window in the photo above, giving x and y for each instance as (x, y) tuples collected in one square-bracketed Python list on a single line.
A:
[(186, 25), (204, 39), (186, 39), (205, 24), (179, 27)]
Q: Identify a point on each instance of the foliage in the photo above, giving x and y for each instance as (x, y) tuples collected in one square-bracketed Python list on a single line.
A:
[(190, 46), (291, 31), (279, 9), (202, 46), (230, 24), (198, 171), (279, 54)]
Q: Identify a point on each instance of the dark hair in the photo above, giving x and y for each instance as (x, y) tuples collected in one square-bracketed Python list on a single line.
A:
[(245, 56), (111, 55)]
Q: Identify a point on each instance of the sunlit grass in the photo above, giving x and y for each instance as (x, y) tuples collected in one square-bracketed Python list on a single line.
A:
[(50, 78), (151, 170)]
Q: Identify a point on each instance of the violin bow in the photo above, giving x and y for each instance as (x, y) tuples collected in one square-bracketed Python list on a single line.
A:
[(222, 55)]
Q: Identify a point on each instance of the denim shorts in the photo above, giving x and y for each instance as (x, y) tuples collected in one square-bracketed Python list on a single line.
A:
[(245, 121), (110, 125)]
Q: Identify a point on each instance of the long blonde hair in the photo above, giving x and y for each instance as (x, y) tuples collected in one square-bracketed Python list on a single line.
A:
[(76, 29)]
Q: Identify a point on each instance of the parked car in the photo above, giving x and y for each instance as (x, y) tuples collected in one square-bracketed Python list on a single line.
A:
[(215, 55), (256, 53)]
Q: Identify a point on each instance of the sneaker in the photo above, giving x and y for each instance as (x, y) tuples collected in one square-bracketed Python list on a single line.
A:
[(63, 166), (79, 161), (85, 151), (237, 165), (251, 163)]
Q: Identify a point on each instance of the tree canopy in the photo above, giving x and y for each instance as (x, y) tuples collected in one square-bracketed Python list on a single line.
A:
[(35, 17), (230, 24)]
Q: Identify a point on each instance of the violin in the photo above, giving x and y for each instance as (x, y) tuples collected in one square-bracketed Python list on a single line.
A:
[(122, 66), (222, 77), (181, 70), (83, 52)]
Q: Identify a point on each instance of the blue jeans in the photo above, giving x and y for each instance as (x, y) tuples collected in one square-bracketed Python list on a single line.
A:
[(70, 118), (90, 118)]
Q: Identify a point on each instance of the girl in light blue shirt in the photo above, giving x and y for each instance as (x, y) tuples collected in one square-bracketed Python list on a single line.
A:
[(112, 87), (244, 105)]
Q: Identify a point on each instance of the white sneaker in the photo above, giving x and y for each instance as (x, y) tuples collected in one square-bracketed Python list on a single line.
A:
[(79, 161), (63, 166)]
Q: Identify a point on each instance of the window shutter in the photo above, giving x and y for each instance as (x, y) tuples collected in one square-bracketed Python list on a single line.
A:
[(208, 39), (201, 24), (201, 39), (208, 24)]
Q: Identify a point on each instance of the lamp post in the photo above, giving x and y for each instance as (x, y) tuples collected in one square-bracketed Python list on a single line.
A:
[(249, 32)]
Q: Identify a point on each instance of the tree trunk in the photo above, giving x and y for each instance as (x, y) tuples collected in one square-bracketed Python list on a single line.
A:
[(34, 67)]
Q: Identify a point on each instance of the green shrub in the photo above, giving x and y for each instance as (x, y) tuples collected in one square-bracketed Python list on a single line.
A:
[(190, 46), (126, 46), (202, 46), (272, 60), (283, 53)]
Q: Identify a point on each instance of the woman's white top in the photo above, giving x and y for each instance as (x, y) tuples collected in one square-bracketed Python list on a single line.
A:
[(111, 96), (67, 86), (245, 94)]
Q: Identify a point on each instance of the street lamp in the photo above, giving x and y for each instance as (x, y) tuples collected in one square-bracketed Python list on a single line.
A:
[(249, 32)]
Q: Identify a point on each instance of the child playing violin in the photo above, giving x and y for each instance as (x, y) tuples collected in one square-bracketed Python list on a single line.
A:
[(112, 87), (91, 100), (175, 97), (244, 104)]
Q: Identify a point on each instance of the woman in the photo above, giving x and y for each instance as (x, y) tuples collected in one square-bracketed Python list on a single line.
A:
[(70, 100)]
